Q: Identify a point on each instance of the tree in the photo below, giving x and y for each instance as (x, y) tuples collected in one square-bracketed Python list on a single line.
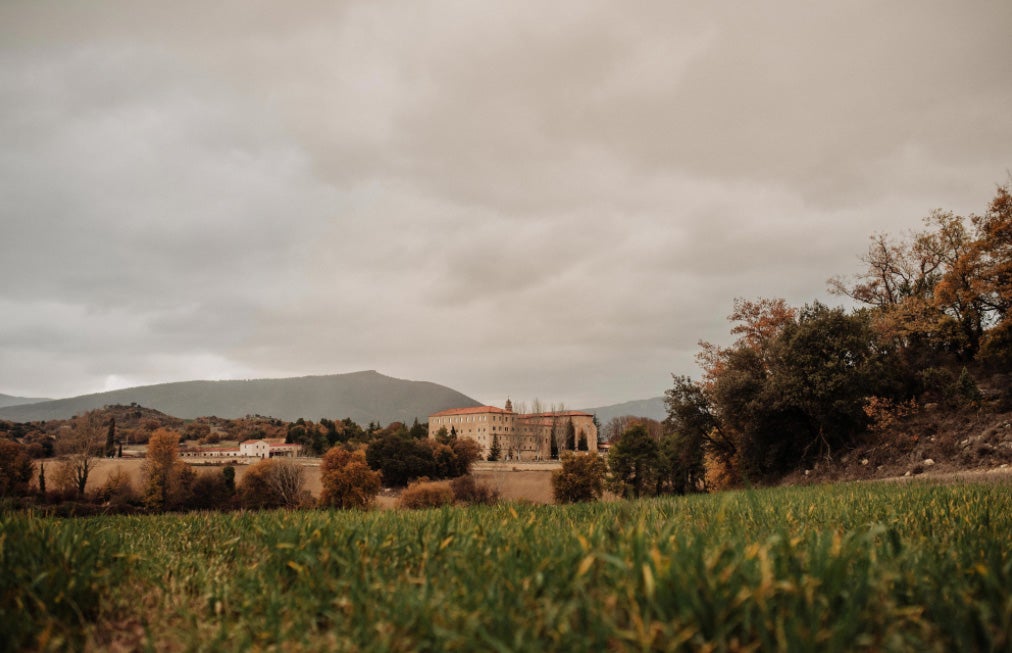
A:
[(579, 478), (312, 439), (199, 431), (570, 435), (210, 492), (110, 439), (273, 483), (288, 480), (681, 468), (350, 431), (401, 460), (228, 475), (347, 480), (81, 448), (465, 453), (16, 469), (167, 479), (418, 431), (495, 450), (634, 462)]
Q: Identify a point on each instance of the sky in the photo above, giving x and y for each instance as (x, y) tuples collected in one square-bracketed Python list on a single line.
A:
[(529, 199)]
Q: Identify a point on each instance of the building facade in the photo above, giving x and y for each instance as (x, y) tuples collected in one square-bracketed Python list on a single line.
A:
[(266, 448), (520, 436)]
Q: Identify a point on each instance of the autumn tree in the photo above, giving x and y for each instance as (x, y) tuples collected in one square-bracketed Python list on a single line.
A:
[(347, 480), (937, 292), (167, 479), (994, 249), (580, 477), (197, 431)]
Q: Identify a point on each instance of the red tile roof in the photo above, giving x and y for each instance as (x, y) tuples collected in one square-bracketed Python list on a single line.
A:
[(565, 413), (470, 411)]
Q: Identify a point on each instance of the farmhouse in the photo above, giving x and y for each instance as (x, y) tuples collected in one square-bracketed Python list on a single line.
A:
[(520, 436), (265, 448)]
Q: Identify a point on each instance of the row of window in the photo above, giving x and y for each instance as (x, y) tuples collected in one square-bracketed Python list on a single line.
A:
[(457, 419)]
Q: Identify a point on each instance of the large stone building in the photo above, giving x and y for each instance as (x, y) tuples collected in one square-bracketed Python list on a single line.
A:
[(520, 436)]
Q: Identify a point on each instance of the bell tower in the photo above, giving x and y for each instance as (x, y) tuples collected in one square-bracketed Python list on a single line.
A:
[(509, 405)]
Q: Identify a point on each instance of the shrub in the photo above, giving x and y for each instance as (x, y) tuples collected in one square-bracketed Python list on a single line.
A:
[(16, 469), (468, 491), (581, 478), (117, 490), (427, 494), (211, 492), (274, 483)]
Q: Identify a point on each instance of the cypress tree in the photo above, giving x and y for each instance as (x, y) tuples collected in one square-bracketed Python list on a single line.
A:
[(495, 450), (229, 474), (110, 439), (570, 436)]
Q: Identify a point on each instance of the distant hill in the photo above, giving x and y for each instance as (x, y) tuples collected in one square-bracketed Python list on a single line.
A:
[(652, 408), (363, 396), (8, 400)]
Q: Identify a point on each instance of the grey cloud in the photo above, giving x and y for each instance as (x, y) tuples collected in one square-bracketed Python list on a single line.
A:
[(545, 200)]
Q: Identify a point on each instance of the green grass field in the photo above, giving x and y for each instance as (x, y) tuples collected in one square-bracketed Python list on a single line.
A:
[(913, 567)]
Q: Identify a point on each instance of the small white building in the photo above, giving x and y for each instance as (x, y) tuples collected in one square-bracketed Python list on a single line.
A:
[(263, 448), (267, 448)]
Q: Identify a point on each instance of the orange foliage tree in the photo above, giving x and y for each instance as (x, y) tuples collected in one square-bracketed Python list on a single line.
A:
[(167, 479), (347, 480)]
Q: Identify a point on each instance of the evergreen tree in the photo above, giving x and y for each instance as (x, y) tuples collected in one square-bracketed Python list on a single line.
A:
[(42, 480), (634, 462), (229, 475), (495, 451), (110, 439), (417, 431)]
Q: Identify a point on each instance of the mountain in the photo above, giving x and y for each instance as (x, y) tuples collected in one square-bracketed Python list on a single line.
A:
[(7, 400), (652, 408), (363, 396)]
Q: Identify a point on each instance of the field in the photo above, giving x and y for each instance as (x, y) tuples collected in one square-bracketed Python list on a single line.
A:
[(916, 567)]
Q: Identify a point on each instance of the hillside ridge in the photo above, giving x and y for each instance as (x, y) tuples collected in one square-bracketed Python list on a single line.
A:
[(364, 396)]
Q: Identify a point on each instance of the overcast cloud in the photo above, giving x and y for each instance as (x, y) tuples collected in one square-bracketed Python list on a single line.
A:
[(552, 200)]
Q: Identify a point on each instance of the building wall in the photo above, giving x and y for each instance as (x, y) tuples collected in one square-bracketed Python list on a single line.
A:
[(521, 437)]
